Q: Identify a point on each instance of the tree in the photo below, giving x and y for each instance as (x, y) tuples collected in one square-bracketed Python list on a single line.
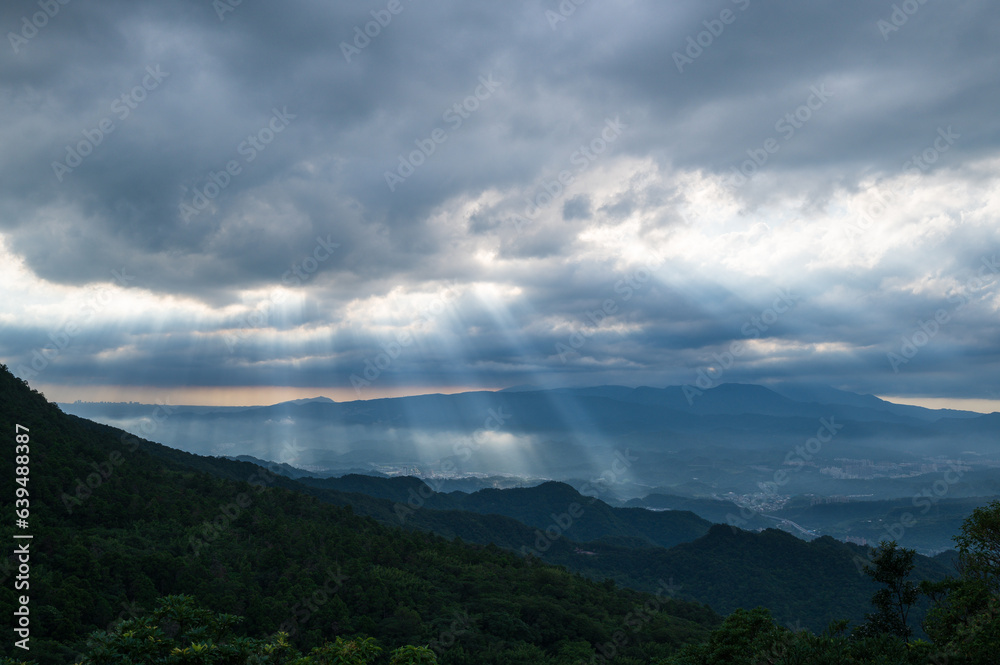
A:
[(965, 618), (343, 652), (979, 547), (891, 566), (179, 631), (411, 655), (746, 636)]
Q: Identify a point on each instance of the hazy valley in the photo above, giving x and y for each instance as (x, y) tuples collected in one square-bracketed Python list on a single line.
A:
[(807, 459)]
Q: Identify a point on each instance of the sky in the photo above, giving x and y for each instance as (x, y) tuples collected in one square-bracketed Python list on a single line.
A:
[(230, 203)]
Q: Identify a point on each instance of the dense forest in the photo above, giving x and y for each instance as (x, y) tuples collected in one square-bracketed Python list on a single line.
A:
[(638, 548), (141, 554)]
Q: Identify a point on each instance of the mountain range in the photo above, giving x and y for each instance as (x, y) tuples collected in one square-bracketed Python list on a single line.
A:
[(805, 458)]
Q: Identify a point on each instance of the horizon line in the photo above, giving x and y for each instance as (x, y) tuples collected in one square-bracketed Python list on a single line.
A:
[(226, 396)]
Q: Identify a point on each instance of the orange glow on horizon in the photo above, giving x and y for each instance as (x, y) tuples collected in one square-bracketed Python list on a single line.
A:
[(959, 403), (233, 396)]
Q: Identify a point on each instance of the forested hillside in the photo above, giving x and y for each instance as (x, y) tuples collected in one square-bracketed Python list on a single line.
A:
[(725, 568), (147, 527)]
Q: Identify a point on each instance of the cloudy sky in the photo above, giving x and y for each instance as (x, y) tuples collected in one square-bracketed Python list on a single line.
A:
[(211, 202)]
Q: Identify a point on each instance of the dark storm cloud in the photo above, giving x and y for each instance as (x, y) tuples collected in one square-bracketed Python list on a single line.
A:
[(226, 150)]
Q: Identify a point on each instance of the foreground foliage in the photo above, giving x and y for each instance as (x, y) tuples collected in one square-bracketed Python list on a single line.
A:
[(179, 631), (964, 622)]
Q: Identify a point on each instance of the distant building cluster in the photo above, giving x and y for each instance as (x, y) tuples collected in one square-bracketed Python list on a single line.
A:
[(818, 500), (866, 469), (758, 502)]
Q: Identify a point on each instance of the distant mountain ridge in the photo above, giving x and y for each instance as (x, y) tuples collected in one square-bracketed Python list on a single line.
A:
[(729, 398), (571, 432)]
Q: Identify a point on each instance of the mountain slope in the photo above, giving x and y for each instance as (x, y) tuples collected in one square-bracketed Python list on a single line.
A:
[(805, 584), (539, 507), (713, 568), (149, 525)]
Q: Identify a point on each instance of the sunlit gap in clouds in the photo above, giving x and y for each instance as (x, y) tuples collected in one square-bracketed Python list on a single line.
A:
[(411, 334), (444, 349), (521, 450), (646, 256), (630, 262), (265, 334), (725, 262)]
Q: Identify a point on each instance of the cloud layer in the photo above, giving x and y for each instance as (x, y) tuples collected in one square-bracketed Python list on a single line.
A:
[(397, 193)]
